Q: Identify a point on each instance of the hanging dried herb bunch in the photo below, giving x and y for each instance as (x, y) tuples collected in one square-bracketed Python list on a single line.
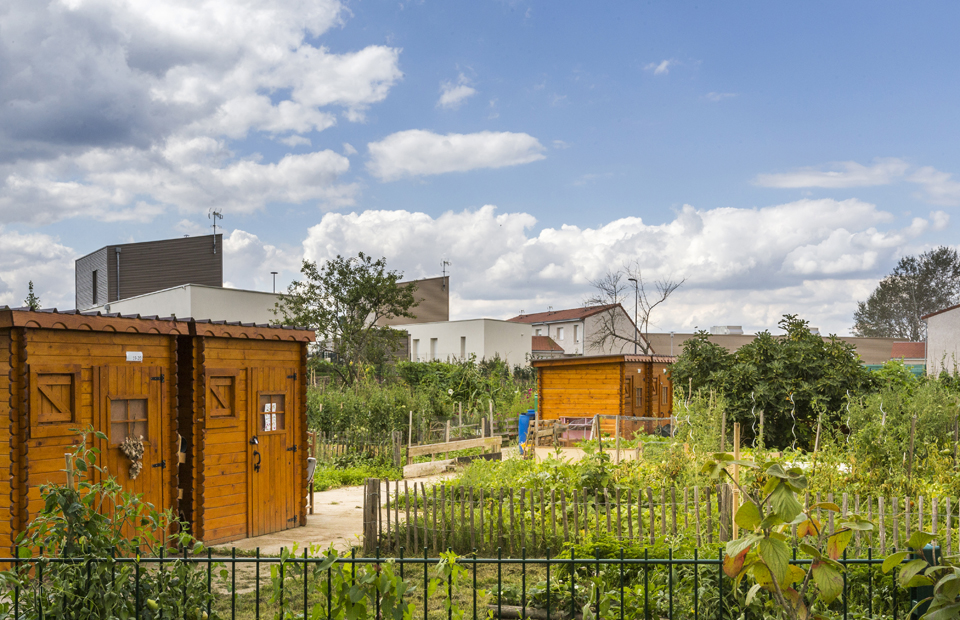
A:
[(133, 450)]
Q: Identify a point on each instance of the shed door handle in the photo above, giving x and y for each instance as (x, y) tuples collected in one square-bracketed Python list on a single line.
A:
[(256, 464)]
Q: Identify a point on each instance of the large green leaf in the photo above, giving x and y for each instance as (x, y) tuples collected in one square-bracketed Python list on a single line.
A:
[(776, 555), (785, 503), (893, 560), (748, 516), (910, 570), (829, 580), (918, 540), (735, 547)]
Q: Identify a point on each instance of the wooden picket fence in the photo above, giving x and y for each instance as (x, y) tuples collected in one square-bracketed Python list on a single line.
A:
[(400, 515)]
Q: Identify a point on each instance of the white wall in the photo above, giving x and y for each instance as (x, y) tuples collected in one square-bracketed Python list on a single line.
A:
[(485, 338), (201, 302), (570, 346), (943, 342)]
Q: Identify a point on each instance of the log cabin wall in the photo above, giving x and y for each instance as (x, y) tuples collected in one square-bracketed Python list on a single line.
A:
[(625, 385), (128, 376)]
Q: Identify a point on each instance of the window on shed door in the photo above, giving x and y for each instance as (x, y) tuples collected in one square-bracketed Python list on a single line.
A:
[(128, 418), (638, 398), (665, 395), (271, 412)]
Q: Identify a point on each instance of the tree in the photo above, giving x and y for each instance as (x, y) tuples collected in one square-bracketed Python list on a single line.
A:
[(32, 301), (343, 300), (615, 329), (793, 379), (917, 286)]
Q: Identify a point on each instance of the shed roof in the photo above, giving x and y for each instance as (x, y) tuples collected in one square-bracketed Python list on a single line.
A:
[(51, 318), (545, 343), (602, 359), (909, 350)]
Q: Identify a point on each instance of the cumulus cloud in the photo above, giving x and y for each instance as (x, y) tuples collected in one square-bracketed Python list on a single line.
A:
[(720, 96), (838, 175), (662, 67), (938, 187), (40, 258), (188, 175), (417, 152), (453, 94), (112, 108), (248, 261), (774, 258)]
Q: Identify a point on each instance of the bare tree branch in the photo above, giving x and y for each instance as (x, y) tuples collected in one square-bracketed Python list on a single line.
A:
[(616, 330)]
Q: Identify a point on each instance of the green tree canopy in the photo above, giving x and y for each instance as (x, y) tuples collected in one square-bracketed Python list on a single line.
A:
[(343, 300), (32, 301), (765, 374), (918, 285)]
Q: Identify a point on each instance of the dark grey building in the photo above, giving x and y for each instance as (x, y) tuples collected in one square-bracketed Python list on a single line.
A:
[(130, 269)]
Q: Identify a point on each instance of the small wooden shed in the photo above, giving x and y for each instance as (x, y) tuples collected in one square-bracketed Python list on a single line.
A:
[(609, 385), (231, 397)]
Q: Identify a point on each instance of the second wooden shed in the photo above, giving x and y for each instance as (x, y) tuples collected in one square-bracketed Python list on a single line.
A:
[(231, 396), (607, 385)]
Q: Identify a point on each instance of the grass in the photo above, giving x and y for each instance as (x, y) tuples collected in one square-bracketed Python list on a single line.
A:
[(328, 477)]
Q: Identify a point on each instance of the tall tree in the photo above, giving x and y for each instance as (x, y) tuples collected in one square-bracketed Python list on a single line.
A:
[(614, 330), (917, 286), (32, 301), (343, 300)]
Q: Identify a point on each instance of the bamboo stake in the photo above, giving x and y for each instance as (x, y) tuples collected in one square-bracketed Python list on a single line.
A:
[(630, 514), (512, 522), (576, 517), (673, 504), (696, 512), (563, 511), (473, 536), (653, 528)]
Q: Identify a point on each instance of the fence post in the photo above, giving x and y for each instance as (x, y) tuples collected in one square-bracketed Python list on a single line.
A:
[(370, 516), (409, 437)]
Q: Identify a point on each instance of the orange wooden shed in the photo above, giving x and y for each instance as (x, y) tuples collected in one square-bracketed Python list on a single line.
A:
[(607, 385), (231, 396)]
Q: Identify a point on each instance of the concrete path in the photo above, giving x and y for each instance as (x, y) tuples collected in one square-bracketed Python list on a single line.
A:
[(337, 520)]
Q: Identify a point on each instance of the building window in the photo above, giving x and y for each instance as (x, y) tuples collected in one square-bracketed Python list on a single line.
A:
[(576, 333), (128, 418), (96, 296), (415, 350), (539, 332), (559, 333), (463, 347), (433, 349), (665, 396)]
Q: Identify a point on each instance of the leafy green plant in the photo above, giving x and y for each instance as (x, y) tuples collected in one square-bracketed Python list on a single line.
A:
[(763, 552), (75, 543), (919, 572)]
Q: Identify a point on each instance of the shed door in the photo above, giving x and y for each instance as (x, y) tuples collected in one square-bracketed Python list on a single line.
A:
[(272, 458), (129, 404)]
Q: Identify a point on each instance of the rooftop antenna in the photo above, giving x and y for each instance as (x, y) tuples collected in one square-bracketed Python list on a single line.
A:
[(274, 274), (443, 268), (215, 215)]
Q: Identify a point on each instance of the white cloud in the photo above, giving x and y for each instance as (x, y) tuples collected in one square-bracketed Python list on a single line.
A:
[(161, 82), (417, 152), (40, 258), (812, 257), (838, 175), (560, 144), (248, 261), (662, 67), (720, 96), (453, 94), (939, 187), (348, 149), (189, 175)]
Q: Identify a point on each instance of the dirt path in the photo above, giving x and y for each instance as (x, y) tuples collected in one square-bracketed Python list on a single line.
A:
[(337, 521)]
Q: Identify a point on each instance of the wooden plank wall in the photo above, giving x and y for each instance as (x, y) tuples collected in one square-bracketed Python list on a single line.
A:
[(7, 405), (43, 456), (581, 390), (223, 466)]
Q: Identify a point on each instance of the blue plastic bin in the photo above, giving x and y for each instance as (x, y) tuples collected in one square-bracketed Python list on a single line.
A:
[(523, 426)]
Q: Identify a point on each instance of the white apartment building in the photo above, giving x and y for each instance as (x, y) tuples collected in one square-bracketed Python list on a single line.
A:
[(577, 329), (458, 340)]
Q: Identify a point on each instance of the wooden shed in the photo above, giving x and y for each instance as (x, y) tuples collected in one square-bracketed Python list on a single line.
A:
[(230, 396), (609, 385)]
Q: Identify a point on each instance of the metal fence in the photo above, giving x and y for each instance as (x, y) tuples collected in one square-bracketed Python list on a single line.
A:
[(546, 588)]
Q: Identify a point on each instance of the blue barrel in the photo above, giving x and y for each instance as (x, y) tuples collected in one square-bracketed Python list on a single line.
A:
[(523, 425)]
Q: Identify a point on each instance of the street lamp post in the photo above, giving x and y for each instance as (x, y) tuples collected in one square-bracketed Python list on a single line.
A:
[(274, 274), (636, 305)]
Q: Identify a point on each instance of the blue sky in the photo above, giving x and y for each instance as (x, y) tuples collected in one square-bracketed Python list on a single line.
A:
[(780, 158)]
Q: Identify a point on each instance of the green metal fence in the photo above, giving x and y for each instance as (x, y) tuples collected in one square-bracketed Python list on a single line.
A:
[(544, 588)]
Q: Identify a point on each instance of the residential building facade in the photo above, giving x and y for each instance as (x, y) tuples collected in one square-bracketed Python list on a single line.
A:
[(943, 340), (459, 340), (579, 331)]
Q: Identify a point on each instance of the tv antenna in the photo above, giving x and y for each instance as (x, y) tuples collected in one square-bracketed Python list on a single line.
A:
[(215, 215), (443, 268)]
